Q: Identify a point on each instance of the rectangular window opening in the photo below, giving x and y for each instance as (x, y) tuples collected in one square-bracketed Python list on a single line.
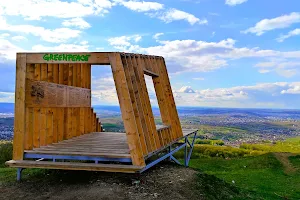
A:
[(105, 99), (153, 100)]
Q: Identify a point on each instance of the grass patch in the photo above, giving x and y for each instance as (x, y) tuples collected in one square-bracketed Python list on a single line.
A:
[(6, 151), (295, 160), (291, 145), (219, 129), (203, 150), (261, 176)]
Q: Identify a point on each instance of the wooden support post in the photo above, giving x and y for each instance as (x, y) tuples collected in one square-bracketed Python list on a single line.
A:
[(20, 113), (126, 109), (126, 63)]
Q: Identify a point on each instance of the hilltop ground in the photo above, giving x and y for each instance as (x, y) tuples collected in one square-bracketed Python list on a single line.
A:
[(163, 182)]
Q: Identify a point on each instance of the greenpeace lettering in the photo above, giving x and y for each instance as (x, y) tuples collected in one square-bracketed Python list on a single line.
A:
[(65, 57)]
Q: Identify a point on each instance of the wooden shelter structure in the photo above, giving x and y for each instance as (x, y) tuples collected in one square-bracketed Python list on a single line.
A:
[(55, 123)]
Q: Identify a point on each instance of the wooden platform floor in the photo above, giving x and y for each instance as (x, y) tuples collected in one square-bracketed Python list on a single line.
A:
[(98, 144)]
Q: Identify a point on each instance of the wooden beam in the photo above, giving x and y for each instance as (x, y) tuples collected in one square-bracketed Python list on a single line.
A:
[(150, 73), (126, 109), (20, 113), (133, 93)]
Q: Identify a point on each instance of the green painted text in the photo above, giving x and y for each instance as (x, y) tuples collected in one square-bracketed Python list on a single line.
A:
[(65, 57)]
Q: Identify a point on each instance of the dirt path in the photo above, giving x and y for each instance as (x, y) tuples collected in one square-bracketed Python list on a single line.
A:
[(163, 182), (284, 160)]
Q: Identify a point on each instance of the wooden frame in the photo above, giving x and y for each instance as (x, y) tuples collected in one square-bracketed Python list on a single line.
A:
[(40, 122)]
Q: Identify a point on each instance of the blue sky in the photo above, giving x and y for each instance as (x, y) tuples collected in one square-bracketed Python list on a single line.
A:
[(220, 53)]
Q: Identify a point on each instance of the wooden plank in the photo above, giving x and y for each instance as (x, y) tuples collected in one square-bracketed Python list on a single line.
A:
[(106, 155), (150, 73), (173, 111), (152, 68), (82, 121), (153, 134), (74, 75), (94, 122), (49, 129), (52, 95), (138, 70), (28, 143), (60, 111), (69, 123), (36, 127), (137, 107), (89, 76), (161, 95), (43, 115), (163, 92), (99, 58), (75, 166), (97, 124), (78, 74), (43, 126), (55, 110), (83, 75), (126, 109), (36, 111), (74, 122)]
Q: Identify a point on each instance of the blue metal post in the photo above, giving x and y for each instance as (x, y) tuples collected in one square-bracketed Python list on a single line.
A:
[(169, 150), (185, 152), (19, 174), (191, 149)]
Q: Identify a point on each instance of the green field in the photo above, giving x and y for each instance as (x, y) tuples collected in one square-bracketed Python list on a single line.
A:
[(255, 171), (259, 177)]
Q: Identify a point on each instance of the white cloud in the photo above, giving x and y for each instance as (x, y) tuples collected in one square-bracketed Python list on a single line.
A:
[(157, 35), (37, 9), (4, 35), (124, 43), (199, 79), (290, 34), (104, 90), (7, 97), (55, 35), (76, 22), (234, 2), (186, 89), (142, 6), (19, 38), (174, 15), (202, 56), (264, 95), (8, 50), (295, 89), (61, 48), (281, 67), (265, 25)]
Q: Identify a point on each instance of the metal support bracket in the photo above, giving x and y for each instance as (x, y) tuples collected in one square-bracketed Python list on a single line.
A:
[(170, 152), (19, 174)]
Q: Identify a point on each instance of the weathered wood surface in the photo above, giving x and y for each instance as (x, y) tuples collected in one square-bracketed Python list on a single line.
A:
[(74, 166), (20, 117), (53, 104)]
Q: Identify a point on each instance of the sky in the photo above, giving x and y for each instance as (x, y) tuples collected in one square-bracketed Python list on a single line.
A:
[(219, 53)]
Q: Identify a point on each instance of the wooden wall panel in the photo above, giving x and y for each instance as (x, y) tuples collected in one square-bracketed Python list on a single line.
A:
[(127, 110), (126, 60), (53, 95), (41, 125), (171, 100), (28, 144), (36, 111)]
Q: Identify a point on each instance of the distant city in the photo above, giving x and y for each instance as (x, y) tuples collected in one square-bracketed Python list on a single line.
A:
[(232, 125)]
